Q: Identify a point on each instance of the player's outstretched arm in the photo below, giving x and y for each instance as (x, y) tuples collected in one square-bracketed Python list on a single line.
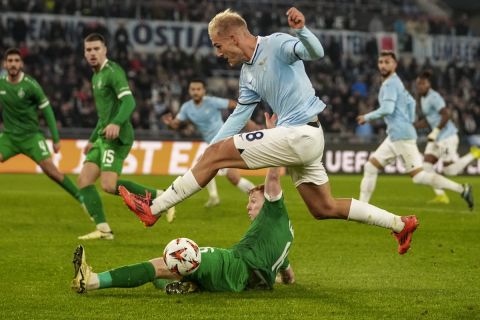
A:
[(235, 122), (309, 47), (170, 121), (52, 126), (273, 187)]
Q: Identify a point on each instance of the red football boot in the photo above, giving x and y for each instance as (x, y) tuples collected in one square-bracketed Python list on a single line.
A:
[(404, 237), (139, 205)]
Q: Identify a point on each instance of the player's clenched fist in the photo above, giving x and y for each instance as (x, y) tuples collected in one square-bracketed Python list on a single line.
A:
[(296, 19)]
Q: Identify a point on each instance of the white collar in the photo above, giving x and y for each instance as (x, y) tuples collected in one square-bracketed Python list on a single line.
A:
[(255, 51)]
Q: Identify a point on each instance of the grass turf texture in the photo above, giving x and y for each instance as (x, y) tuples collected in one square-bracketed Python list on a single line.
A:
[(344, 270)]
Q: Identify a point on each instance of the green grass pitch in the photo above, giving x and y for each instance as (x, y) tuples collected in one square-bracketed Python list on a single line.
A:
[(344, 270)]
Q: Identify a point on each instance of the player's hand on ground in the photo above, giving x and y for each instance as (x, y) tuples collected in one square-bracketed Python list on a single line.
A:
[(285, 276), (56, 147), (270, 121), (87, 148), (361, 120), (296, 19), (111, 131)]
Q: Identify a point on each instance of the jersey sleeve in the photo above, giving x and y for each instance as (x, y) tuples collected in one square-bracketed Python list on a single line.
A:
[(218, 103), (437, 102), (120, 83), (305, 46), (39, 96), (182, 115), (276, 207)]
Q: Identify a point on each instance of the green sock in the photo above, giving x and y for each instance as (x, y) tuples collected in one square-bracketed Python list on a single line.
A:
[(71, 188), (128, 276), (136, 188), (93, 203)]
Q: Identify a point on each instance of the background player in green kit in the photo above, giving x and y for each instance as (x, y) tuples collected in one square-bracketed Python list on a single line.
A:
[(112, 138), (253, 263), (21, 97)]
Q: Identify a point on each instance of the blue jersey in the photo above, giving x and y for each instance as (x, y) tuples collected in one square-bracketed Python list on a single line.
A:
[(207, 116), (432, 103), (397, 108), (276, 75)]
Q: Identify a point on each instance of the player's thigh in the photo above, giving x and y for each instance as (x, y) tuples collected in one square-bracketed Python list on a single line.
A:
[(408, 151), (313, 172), (113, 155), (91, 166), (318, 199), (35, 148), (7, 148), (385, 153), (222, 154), (280, 146)]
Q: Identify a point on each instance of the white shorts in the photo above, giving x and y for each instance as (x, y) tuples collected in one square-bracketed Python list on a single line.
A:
[(406, 150), (445, 149), (300, 149)]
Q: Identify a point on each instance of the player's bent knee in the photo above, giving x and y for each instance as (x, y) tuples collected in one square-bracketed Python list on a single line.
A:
[(422, 177), (324, 211), (108, 186), (449, 171)]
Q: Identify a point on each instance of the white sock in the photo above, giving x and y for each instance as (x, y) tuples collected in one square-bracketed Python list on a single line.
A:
[(458, 166), (93, 282), (182, 188), (369, 214), (369, 180), (212, 189), (437, 181), (428, 167), (104, 227), (245, 185)]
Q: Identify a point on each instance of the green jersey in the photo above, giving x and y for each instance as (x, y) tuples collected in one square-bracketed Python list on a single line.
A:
[(110, 84), (266, 244), (255, 260), (21, 102), (220, 270)]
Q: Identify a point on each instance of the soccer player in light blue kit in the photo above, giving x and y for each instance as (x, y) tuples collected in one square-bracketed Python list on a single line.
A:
[(443, 139), (205, 112), (273, 71), (397, 108)]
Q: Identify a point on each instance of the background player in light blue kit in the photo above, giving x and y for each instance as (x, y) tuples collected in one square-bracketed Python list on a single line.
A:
[(273, 71), (205, 112), (443, 139), (397, 108)]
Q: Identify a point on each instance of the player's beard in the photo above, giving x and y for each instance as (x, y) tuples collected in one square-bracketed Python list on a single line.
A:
[(385, 74), (13, 73)]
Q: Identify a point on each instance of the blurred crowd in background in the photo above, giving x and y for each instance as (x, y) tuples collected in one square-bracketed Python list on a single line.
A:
[(160, 81)]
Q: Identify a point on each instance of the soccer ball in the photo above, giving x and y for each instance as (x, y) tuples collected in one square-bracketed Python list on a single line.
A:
[(182, 256)]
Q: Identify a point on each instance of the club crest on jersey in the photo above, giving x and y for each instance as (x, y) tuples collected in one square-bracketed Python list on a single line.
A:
[(3, 92), (99, 83), (21, 93)]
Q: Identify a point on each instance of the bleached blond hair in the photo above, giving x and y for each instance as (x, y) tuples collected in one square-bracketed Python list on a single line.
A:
[(224, 22)]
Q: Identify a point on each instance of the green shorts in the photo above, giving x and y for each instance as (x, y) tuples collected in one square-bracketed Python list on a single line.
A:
[(34, 146), (108, 155)]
